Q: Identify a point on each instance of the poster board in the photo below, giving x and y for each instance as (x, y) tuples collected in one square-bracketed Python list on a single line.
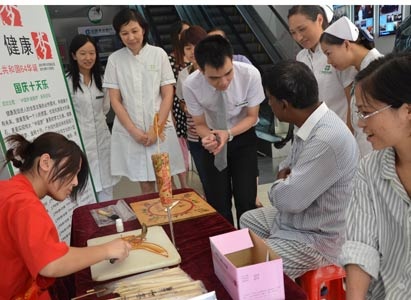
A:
[(34, 94), (4, 172)]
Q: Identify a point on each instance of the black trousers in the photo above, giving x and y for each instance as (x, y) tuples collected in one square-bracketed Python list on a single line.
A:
[(238, 179)]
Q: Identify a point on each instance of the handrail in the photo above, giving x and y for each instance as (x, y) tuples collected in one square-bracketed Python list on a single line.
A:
[(239, 39), (264, 36), (141, 11), (182, 13), (194, 14), (156, 40), (279, 17)]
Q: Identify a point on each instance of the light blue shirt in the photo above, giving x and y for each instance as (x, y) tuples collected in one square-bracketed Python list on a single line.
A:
[(379, 227), (245, 90), (313, 199)]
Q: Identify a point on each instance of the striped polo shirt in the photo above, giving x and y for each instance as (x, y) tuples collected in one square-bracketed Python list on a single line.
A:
[(379, 227), (313, 199)]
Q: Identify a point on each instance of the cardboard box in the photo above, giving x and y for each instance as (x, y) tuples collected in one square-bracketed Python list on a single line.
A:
[(247, 267)]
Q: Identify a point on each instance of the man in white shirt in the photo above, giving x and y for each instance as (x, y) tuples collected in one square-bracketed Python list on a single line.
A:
[(232, 91)]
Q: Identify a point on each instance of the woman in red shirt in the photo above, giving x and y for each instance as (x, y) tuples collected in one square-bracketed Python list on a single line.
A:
[(31, 254)]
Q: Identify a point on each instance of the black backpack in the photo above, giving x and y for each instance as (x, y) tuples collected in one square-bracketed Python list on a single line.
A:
[(403, 37)]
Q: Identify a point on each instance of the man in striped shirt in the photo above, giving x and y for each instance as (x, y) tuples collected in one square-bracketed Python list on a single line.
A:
[(306, 224)]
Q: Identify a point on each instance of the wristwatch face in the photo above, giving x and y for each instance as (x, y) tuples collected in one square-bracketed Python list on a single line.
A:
[(95, 14)]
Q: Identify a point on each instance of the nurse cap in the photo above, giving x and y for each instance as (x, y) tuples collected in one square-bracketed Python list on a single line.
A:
[(329, 12), (344, 29)]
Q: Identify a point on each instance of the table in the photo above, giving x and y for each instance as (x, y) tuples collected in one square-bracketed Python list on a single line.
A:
[(192, 239)]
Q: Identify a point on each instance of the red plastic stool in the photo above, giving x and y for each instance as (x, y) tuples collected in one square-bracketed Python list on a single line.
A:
[(325, 283)]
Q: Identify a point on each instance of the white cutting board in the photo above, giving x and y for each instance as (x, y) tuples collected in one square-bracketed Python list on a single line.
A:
[(138, 260)]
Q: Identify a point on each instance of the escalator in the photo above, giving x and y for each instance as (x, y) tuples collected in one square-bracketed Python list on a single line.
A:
[(249, 37), (161, 18), (241, 36)]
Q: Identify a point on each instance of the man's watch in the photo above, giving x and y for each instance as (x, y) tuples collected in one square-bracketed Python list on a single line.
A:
[(230, 135)]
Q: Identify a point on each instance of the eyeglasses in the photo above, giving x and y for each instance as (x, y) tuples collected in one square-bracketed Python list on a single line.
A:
[(361, 116)]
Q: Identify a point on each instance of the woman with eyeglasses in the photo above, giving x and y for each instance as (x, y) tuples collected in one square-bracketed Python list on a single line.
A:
[(346, 46), (377, 251)]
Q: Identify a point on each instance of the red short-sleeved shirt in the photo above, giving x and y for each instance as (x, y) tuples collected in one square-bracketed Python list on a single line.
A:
[(28, 238)]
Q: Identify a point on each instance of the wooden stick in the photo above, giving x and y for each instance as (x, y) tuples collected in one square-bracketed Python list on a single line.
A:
[(190, 288), (169, 284)]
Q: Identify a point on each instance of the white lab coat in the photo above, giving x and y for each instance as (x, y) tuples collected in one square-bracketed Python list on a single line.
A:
[(91, 107), (331, 82), (139, 78), (361, 138)]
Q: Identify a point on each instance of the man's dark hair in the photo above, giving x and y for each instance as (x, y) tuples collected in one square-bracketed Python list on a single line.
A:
[(292, 81), (213, 51)]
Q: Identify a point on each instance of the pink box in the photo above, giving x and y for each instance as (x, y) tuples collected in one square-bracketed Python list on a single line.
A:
[(247, 267)]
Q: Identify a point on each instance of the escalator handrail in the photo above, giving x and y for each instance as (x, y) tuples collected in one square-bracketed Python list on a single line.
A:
[(156, 40), (194, 15), (279, 17), (264, 36), (239, 39), (141, 11), (283, 22), (183, 14)]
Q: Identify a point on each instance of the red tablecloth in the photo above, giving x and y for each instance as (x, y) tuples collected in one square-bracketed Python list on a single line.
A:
[(192, 239)]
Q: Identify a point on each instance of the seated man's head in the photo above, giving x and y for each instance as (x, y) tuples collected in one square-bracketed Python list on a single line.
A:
[(214, 56), (290, 87)]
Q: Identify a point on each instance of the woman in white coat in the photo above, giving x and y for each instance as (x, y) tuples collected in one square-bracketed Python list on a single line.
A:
[(91, 105), (306, 24), (141, 83), (345, 46)]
